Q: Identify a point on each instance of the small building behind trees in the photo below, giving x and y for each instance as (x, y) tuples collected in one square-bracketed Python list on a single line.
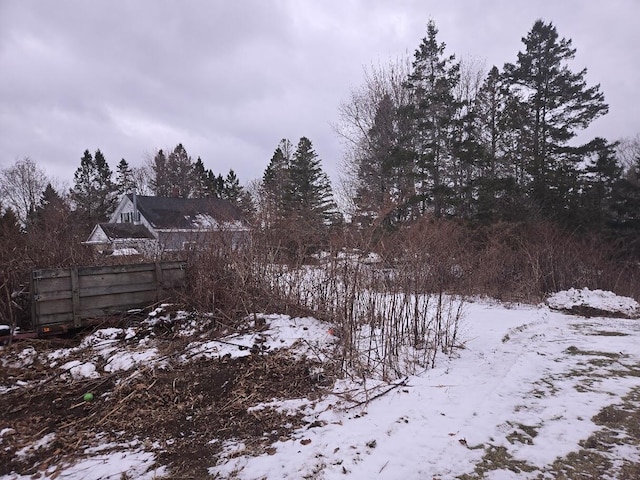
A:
[(150, 226)]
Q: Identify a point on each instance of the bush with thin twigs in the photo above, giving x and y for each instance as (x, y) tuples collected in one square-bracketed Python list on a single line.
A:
[(386, 328)]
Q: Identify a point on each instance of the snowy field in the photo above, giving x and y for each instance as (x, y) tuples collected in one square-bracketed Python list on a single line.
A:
[(522, 399)]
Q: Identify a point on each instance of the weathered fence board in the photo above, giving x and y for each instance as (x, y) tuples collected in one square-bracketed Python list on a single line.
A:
[(63, 298)]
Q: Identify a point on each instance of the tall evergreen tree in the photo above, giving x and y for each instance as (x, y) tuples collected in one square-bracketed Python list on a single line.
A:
[(558, 104), (599, 178), (276, 190), (160, 184), (214, 185), (383, 168), (173, 175), (125, 182), (310, 189), (51, 213), (501, 123), (200, 189), (295, 190), (624, 217), (94, 192), (232, 189), (9, 225), (433, 110)]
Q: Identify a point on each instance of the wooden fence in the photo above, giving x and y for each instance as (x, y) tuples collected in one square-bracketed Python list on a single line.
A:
[(64, 298)]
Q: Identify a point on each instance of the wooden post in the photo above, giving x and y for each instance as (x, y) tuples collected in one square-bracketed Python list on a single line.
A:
[(75, 298), (158, 281)]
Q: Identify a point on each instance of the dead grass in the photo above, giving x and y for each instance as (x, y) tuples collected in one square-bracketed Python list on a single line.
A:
[(175, 411)]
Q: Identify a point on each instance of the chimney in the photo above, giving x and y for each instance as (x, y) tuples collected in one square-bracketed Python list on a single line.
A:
[(136, 215)]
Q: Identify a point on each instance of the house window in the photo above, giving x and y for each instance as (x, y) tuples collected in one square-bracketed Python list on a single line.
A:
[(129, 217), (189, 246)]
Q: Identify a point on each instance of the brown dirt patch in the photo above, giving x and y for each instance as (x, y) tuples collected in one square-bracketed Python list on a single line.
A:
[(182, 412)]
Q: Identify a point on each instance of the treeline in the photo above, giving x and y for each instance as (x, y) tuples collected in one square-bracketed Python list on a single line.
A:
[(440, 137), (95, 193), (26, 189), (478, 174)]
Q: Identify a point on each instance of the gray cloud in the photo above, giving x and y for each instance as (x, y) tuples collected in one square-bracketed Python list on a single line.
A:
[(230, 79)]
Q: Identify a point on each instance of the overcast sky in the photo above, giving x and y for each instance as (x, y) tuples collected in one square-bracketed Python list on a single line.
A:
[(229, 79)]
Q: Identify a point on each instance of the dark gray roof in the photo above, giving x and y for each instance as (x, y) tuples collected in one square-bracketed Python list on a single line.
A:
[(164, 212), (125, 230)]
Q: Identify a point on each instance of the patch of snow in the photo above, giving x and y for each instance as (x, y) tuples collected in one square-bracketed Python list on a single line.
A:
[(83, 370), (371, 258), (34, 447), (102, 337), (6, 431), (127, 360), (113, 466), (302, 336), (282, 406), (204, 221), (597, 299), (121, 252), (24, 358), (130, 333)]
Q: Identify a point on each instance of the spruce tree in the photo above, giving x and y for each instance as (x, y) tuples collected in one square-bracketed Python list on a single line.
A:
[(125, 182), (432, 113), (181, 171), (200, 177), (275, 187), (499, 186), (51, 212), (624, 213), (94, 192), (9, 225), (309, 189), (214, 185), (232, 189), (160, 184), (383, 168), (558, 104), (174, 175)]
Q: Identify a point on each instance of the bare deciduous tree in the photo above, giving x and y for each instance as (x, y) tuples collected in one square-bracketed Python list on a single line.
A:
[(628, 151), (21, 186), (357, 118)]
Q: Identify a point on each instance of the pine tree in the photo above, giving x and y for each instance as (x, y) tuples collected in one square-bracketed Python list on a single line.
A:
[(383, 168), (247, 205), (499, 186), (200, 178), (94, 193), (232, 189), (125, 182), (558, 104), (181, 172), (174, 176), (160, 184), (432, 111), (275, 188), (592, 204), (309, 189), (51, 212), (9, 226), (214, 185), (624, 214)]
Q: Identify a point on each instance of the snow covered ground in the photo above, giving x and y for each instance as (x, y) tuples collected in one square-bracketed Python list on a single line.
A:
[(527, 385)]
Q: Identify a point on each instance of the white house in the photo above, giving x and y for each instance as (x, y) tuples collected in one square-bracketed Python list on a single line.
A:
[(150, 225)]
